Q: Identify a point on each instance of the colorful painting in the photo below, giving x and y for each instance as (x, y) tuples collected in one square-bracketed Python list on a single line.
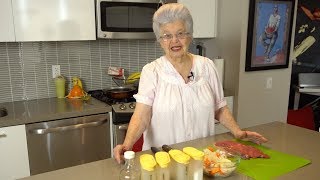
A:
[(269, 34)]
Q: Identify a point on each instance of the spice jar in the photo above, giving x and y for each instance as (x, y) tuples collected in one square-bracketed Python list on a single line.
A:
[(163, 160), (179, 169), (148, 165), (196, 163)]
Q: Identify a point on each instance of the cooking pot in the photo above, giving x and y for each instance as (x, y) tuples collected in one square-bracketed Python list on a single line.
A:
[(120, 92)]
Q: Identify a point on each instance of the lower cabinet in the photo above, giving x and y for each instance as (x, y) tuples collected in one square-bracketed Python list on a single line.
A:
[(14, 153)]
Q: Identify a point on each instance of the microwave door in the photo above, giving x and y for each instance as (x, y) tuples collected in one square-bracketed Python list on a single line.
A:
[(125, 20), (140, 18), (114, 17)]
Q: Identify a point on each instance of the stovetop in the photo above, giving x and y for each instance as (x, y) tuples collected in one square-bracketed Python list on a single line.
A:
[(102, 96), (122, 109)]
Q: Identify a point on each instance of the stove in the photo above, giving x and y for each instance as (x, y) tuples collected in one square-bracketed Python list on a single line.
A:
[(122, 109)]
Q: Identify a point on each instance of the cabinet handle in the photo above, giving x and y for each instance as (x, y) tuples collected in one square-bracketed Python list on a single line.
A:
[(65, 128), (3, 134), (123, 127)]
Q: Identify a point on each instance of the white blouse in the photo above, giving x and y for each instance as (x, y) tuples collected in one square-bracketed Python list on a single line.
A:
[(180, 111)]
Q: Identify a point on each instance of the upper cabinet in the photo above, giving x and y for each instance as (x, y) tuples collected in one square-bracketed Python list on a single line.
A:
[(6, 21), (53, 20), (204, 17)]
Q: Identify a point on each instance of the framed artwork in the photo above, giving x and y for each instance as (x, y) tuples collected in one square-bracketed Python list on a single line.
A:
[(269, 34)]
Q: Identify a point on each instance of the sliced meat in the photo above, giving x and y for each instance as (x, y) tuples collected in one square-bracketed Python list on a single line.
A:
[(245, 151)]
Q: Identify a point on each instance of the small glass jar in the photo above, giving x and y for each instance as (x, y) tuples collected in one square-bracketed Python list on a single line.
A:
[(148, 165), (196, 163), (163, 160), (180, 165)]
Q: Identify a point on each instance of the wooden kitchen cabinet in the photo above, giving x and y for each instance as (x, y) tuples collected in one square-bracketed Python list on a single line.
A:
[(14, 153), (6, 21), (204, 14), (47, 20)]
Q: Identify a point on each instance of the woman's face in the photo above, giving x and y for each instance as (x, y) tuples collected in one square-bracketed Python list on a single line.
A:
[(174, 39)]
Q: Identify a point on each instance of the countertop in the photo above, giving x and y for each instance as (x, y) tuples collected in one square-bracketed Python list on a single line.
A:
[(32, 111), (282, 137)]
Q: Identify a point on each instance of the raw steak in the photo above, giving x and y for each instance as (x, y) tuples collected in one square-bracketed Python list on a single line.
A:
[(245, 151)]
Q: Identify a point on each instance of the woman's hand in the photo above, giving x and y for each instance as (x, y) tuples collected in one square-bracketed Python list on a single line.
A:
[(118, 152), (251, 136)]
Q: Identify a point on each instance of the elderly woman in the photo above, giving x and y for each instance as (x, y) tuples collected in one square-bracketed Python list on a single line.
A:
[(179, 94)]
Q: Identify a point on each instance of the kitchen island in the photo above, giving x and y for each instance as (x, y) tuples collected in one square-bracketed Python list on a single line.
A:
[(282, 137)]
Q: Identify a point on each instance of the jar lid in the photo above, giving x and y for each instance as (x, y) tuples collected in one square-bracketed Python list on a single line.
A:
[(193, 152), (129, 154), (59, 77), (179, 156), (163, 159), (147, 162)]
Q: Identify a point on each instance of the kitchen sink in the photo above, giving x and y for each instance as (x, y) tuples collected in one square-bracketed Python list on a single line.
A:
[(3, 112)]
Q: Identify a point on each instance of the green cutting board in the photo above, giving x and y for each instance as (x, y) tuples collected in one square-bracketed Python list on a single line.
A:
[(265, 169)]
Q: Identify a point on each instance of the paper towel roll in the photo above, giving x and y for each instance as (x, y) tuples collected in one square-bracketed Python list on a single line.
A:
[(220, 67)]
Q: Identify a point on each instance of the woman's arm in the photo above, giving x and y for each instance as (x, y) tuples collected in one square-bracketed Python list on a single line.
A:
[(138, 123), (226, 119)]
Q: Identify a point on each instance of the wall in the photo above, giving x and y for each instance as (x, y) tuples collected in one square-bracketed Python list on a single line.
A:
[(253, 103), (256, 104), (25, 67)]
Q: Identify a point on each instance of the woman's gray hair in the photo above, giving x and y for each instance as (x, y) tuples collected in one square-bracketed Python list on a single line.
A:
[(169, 13)]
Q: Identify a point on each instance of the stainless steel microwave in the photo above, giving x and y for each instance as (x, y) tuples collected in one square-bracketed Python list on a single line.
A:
[(126, 19)]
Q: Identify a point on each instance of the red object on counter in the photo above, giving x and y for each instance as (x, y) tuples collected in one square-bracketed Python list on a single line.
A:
[(137, 147), (303, 117), (246, 151)]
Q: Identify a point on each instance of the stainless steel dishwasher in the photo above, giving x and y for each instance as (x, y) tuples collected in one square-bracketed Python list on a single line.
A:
[(68, 142)]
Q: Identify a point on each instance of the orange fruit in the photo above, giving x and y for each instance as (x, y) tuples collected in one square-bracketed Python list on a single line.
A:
[(76, 91)]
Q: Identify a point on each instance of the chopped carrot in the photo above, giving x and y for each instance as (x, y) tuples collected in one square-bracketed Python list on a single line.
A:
[(211, 149), (215, 170), (221, 172), (218, 154), (207, 162)]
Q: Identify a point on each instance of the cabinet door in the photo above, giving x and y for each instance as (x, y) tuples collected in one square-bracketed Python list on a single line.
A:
[(14, 153), (204, 17), (52, 20), (6, 21)]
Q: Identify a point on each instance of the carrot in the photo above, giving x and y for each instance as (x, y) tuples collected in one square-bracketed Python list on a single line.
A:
[(211, 149), (206, 162), (215, 170), (221, 172), (218, 154)]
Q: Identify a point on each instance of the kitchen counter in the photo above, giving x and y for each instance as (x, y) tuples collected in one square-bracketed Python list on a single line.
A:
[(282, 137), (32, 111)]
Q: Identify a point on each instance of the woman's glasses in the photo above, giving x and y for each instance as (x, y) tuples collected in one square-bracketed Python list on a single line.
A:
[(179, 35)]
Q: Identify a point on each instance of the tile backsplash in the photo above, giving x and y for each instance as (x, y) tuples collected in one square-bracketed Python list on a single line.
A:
[(25, 67)]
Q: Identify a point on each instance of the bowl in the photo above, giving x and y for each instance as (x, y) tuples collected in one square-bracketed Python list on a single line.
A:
[(219, 162)]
